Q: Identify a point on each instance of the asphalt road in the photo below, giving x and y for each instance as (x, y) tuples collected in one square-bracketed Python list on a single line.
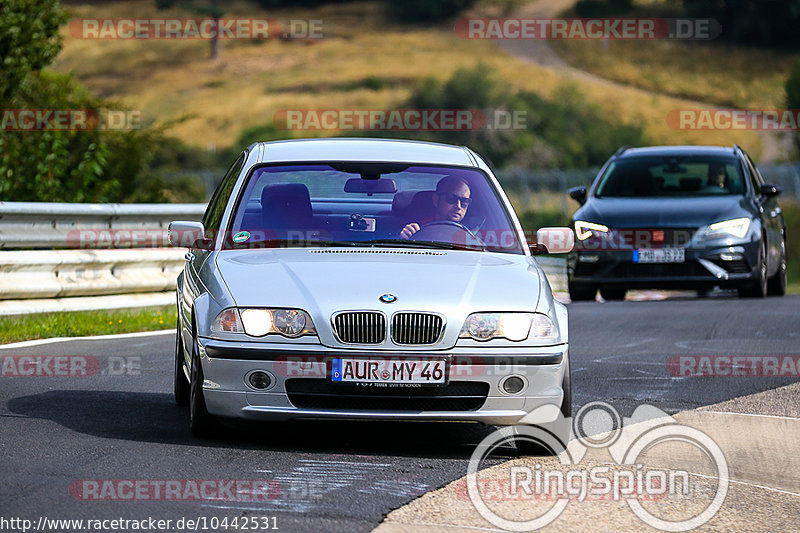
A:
[(121, 423)]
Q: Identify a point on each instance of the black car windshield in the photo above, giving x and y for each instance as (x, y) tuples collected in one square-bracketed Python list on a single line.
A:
[(671, 176), (370, 204)]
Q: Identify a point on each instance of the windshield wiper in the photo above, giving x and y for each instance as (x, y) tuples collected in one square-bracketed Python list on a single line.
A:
[(403, 243)]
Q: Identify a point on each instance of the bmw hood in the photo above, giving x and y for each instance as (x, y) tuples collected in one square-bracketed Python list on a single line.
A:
[(661, 212), (323, 281)]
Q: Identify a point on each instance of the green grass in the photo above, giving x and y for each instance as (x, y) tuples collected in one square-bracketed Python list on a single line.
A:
[(714, 73), (84, 323)]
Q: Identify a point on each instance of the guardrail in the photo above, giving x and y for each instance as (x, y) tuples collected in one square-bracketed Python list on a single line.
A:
[(58, 225), (80, 275), (83, 276)]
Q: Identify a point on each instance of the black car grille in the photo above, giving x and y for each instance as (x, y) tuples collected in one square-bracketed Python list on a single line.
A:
[(738, 266), (321, 394), (658, 270), (360, 327), (416, 328)]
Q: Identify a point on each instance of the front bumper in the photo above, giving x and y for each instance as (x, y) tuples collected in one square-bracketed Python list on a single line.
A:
[(300, 388), (725, 267)]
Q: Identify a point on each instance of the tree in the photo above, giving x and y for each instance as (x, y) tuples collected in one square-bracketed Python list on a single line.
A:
[(29, 40), (793, 95)]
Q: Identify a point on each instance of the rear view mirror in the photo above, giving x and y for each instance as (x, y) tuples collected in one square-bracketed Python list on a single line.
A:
[(188, 234), (578, 194), (554, 241), (770, 190), (370, 186)]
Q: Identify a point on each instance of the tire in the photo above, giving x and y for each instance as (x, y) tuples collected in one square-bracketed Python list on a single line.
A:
[(201, 423), (776, 285), (758, 287), (581, 292), (180, 384), (610, 294)]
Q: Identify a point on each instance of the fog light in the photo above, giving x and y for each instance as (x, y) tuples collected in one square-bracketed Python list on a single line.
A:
[(731, 257), (260, 380), (588, 258), (513, 385)]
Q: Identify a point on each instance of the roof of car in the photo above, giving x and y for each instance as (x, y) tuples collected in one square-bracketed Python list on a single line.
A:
[(678, 151), (353, 149)]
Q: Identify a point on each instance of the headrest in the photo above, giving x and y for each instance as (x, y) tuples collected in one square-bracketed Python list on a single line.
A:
[(286, 205)]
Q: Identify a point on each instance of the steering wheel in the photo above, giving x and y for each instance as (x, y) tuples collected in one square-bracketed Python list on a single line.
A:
[(446, 231)]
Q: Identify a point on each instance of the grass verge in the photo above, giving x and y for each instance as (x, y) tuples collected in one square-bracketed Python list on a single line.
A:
[(84, 323)]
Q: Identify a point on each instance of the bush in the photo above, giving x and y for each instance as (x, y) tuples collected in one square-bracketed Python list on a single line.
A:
[(428, 10), (566, 133), (602, 8), (791, 214)]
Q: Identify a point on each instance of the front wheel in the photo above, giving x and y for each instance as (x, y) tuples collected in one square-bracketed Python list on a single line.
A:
[(776, 285), (180, 384), (758, 287), (610, 294), (580, 292)]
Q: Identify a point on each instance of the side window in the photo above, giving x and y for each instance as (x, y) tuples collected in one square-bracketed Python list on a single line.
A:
[(216, 207)]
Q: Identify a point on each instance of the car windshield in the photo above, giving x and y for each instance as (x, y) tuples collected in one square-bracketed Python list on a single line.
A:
[(671, 176), (369, 204)]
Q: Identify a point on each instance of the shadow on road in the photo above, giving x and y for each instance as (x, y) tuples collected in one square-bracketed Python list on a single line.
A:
[(151, 417)]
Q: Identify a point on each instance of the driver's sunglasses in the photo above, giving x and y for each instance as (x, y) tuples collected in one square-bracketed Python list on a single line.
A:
[(453, 199)]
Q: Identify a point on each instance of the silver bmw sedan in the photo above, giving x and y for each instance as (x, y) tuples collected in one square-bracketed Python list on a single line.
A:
[(366, 279)]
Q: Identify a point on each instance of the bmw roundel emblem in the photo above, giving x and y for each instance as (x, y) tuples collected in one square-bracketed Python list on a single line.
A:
[(388, 298)]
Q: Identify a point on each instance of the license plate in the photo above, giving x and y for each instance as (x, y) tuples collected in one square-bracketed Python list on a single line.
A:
[(659, 255), (389, 371)]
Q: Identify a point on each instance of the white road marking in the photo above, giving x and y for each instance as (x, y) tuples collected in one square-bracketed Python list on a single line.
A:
[(750, 484), (748, 414), (38, 342)]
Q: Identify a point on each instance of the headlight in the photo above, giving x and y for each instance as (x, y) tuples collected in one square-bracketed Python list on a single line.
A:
[(584, 230), (736, 227), (260, 322), (512, 326)]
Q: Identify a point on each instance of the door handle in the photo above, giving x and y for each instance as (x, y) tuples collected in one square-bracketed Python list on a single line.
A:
[(189, 256)]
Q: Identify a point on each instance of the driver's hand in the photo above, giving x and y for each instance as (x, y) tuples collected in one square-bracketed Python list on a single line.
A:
[(409, 230)]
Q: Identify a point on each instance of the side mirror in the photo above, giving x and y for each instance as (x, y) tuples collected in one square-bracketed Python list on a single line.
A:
[(187, 234), (578, 194), (770, 190), (553, 241)]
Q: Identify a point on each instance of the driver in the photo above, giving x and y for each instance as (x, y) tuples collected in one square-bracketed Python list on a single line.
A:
[(451, 200)]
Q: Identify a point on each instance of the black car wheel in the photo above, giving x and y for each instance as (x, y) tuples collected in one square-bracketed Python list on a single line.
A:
[(758, 287), (776, 285), (581, 292), (180, 384), (612, 293), (201, 423)]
